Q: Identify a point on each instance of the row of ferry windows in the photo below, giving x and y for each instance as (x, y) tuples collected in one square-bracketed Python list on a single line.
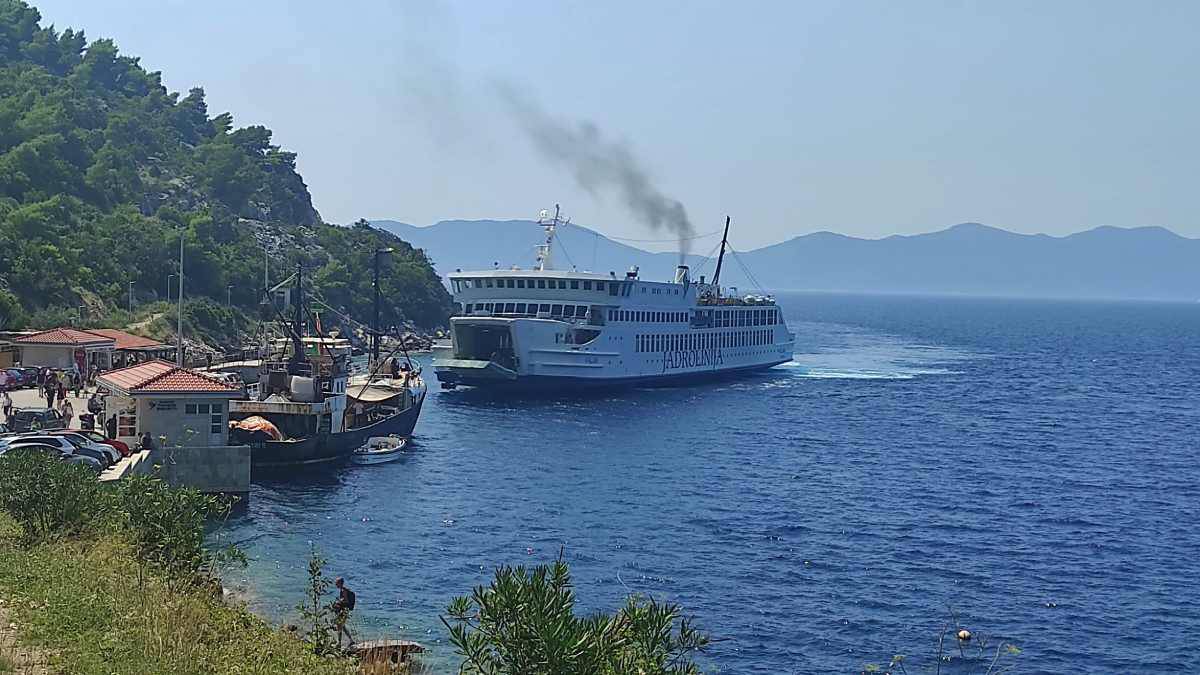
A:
[(677, 341), (530, 309), (646, 317), (563, 284), (721, 318)]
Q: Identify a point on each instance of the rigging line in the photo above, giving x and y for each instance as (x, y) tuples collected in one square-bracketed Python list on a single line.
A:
[(662, 241), (749, 274), (707, 259), (564, 250)]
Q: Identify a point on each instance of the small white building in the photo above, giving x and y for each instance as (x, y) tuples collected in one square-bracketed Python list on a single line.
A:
[(187, 407), (63, 347)]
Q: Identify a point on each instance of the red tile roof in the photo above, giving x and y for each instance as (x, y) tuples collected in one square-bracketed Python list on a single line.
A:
[(160, 377), (127, 340), (65, 337)]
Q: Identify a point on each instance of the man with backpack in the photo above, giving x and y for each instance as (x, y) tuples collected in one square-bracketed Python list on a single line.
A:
[(341, 610)]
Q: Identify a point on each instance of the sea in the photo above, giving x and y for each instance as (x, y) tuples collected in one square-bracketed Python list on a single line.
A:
[(1025, 469)]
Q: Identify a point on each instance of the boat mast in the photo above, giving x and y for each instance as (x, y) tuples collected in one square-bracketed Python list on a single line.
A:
[(545, 250), (298, 355), (721, 257)]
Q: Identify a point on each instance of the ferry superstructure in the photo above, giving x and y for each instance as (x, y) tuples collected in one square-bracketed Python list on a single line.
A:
[(543, 328)]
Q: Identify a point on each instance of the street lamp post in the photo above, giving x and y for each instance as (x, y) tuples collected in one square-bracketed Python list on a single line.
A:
[(375, 327), (131, 297), (179, 325)]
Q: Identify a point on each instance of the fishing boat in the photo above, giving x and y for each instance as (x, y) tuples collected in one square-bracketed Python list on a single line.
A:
[(309, 410), (380, 449)]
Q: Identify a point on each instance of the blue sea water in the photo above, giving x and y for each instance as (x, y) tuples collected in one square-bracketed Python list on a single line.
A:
[(1029, 466)]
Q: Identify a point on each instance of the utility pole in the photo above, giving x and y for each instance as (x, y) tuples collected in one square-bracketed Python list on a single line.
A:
[(179, 325), (131, 298), (168, 295)]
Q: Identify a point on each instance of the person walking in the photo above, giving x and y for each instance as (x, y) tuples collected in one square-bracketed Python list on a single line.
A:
[(62, 388), (41, 382), (341, 610), (68, 413), (77, 383), (49, 391), (110, 427), (6, 405)]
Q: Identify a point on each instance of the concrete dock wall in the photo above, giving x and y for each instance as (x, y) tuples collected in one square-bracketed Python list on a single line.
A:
[(216, 469)]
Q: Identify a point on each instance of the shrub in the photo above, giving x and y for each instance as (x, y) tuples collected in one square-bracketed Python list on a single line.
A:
[(49, 497), (167, 524), (525, 623)]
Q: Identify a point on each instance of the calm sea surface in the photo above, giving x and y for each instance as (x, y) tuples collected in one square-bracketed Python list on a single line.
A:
[(1033, 465)]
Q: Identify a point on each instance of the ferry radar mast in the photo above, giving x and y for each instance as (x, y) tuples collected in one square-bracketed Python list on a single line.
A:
[(545, 251), (721, 258)]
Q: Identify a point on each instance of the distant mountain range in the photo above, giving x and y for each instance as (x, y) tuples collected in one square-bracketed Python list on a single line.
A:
[(966, 259)]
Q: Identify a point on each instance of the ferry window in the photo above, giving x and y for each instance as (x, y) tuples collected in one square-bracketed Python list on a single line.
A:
[(581, 311), (543, 308), (189, 409), (509, 308), (612, 288), (487, 307), (575, 284), (520, 283), (555, 310), (587, 285), (488, 282), (541, 283), (520, 308)]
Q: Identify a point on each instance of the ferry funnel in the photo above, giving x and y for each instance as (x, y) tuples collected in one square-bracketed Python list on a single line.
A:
[(681, 275)]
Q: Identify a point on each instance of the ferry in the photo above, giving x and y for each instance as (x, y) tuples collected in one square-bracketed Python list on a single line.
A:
[(546, 329)]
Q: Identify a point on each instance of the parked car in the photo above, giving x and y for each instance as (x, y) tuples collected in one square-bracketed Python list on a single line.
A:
[(47, 418), (63, 444), (90, 462), (15, 379), (97, 437), (79, 439)]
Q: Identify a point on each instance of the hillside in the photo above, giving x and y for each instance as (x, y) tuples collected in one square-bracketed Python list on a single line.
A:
[(102, 169), (968, 259)]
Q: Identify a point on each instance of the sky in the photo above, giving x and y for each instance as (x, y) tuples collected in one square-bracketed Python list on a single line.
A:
[(865, 118)]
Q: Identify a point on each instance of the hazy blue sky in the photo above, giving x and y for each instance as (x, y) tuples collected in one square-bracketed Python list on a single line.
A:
[(868, 118)]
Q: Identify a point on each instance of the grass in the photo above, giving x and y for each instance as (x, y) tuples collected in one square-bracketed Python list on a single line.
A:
[(82, 601)]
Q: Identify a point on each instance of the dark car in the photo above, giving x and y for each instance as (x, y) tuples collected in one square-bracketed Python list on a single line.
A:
[(23, 419), (90, 462), (15, 379), (64, 444)]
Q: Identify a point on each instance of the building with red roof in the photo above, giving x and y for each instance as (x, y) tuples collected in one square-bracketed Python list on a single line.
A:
[(105, 347), (63, 347), (165, 400)]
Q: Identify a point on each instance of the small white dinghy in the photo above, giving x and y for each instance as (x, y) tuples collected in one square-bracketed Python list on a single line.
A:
[(380, 449)]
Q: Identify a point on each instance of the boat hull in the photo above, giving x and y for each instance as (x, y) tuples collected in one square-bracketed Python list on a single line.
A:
[(552, 384), (329, 448)]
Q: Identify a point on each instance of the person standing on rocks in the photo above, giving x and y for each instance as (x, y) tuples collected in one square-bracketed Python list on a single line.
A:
[(341, 610)]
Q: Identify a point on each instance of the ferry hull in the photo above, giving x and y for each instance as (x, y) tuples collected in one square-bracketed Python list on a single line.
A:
[(451, 378), (328, 448)]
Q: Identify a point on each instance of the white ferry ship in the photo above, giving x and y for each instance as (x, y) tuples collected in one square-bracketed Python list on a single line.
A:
[(544, 329)]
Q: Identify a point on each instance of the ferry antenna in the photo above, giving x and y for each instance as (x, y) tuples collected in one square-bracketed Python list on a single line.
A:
[(721, 257)]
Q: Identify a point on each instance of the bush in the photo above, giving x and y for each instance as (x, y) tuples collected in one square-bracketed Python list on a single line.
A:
[(48, 497), (167, 524), (525, 624)]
